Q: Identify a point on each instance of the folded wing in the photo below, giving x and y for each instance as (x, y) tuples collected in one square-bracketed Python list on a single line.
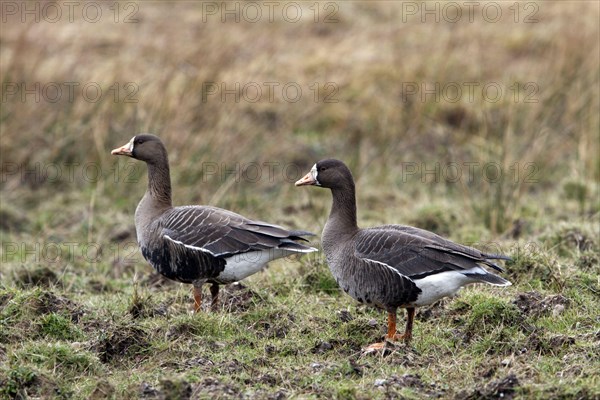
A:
[(417, 254), (223, 233)]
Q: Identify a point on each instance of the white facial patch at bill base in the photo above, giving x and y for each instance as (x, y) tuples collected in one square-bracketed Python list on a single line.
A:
[(315, 174), (130, 144)]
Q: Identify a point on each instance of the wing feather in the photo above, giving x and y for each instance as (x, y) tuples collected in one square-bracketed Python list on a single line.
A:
[(417, 253), (223, 233)]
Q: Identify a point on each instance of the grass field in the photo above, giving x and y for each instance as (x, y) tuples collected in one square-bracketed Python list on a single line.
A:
[(479, 122)]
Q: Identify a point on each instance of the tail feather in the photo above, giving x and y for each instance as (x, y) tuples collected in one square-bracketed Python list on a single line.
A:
[(296, 247), (497, 257), (489, 278), (493, 265), (297, 235)]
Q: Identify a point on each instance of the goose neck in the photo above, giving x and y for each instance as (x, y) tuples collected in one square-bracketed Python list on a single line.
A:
[(342, 218), (159, 184)]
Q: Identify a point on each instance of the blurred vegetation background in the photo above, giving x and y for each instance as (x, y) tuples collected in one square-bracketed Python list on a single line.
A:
[(518, 141)]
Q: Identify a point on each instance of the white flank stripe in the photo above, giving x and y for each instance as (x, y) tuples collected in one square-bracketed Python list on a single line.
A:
[(388, 266), (189, 246), (309, 250)]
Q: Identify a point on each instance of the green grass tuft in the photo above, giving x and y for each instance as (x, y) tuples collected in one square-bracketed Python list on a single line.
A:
[(15, 384), (56, 326), (62, 357)]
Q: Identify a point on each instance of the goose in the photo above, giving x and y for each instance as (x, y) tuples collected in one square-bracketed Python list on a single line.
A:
[(200, 244), (392, 266)]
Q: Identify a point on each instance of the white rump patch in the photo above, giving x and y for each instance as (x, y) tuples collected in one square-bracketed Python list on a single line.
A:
[(243, 265), (444, 284)]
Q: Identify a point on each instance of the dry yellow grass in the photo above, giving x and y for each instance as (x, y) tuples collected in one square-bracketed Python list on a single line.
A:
[(371, 53)]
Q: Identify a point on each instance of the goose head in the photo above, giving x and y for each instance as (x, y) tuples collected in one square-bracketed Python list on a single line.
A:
[(329, 173), (143, 147)]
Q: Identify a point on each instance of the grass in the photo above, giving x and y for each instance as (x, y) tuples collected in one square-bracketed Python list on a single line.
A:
[(83, 316)]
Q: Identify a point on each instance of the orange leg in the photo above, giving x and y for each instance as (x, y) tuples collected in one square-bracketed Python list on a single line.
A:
[(214, 291), (197, 298), (407, 336), (391, 333)]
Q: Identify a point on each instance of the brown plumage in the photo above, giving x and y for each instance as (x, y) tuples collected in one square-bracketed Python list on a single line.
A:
[(392, 266), (200, 244)]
